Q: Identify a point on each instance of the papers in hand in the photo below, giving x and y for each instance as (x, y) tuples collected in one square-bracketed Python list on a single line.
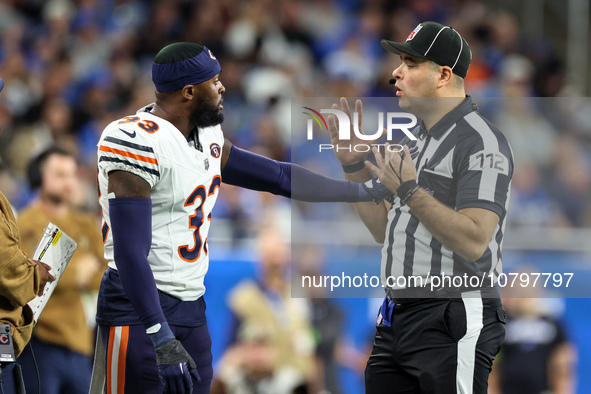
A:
[(55, 248)]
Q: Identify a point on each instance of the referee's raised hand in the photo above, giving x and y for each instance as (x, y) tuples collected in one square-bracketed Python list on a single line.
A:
[(344, 149), (394, 168)]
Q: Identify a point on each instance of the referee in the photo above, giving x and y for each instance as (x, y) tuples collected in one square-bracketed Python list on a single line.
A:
[(447, 222)]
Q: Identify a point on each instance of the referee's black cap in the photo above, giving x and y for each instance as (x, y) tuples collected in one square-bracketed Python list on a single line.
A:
[(438, 43)]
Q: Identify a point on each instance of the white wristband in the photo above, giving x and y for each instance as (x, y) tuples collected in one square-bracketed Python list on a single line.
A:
[(154, 329)]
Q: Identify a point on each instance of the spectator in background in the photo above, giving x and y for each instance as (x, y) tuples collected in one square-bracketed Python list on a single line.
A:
[(62, 341), (537, 356), (54, 125), (282, 323), (327, 319), (531, 205), (251, 366), (519, 116), (570, 180)]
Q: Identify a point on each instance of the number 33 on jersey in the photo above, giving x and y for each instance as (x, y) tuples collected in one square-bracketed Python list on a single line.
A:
[(184, 183)]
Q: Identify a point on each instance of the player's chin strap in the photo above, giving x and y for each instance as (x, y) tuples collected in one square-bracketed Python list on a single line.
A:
[(99, 376)]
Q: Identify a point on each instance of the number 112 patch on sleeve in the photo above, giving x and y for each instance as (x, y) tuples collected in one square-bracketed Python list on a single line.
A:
[(486, 161)]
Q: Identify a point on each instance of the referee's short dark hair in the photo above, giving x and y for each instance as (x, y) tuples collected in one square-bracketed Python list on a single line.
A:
[(35, 165)]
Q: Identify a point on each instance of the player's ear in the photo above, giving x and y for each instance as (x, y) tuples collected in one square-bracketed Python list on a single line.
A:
[(188, 92)]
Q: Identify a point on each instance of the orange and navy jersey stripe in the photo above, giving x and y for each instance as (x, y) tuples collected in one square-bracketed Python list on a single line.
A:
[(116, 359), (105, 231), (123, 154), (128, 154)]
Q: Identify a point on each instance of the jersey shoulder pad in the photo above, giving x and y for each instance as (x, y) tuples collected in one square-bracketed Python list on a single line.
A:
[(126, 146)]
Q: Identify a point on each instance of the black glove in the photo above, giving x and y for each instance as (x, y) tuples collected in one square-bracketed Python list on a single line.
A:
[(378, 192), (175, 367)]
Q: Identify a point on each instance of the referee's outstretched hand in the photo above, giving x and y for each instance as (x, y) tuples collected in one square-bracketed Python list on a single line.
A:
[(344, 149), (175, 367), (394, 168)]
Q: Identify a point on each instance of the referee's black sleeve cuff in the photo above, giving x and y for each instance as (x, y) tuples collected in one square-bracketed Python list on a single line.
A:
[(491, 206)]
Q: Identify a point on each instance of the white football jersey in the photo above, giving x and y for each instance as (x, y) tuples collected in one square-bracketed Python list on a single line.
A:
[(185, 184)]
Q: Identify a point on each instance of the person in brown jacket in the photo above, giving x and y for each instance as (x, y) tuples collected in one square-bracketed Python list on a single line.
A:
[(21, 279), (63, 340)]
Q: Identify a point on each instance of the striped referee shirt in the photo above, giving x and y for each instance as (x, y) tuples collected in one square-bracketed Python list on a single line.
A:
[(463, 161)]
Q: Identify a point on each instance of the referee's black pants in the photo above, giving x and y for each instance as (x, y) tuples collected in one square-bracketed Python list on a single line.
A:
[(441, 346)]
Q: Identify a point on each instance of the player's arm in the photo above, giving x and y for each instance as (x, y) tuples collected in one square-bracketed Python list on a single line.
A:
[(130, 210), (23, 278), (18, 270), (249, 170)]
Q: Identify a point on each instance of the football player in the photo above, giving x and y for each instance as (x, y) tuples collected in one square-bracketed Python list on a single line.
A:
[(160, 172)]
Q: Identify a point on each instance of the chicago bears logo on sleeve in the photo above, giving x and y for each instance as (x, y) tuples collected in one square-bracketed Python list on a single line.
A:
[(216, 150)]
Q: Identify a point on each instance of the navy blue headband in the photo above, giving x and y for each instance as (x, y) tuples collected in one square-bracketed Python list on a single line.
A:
[(169, 77)]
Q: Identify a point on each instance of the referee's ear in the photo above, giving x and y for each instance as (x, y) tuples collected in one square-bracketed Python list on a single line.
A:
[(445, 77)]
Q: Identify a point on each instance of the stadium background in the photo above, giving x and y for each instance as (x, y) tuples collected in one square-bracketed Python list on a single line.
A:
[(73, 66)]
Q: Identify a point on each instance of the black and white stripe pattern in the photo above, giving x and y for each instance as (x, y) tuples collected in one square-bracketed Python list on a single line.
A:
[(464, 161), (467, 344)]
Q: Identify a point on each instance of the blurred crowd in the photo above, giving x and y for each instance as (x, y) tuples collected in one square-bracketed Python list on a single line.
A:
[(73, 66)]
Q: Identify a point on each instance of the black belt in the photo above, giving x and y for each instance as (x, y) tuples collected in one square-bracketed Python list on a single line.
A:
[(418, 294)]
